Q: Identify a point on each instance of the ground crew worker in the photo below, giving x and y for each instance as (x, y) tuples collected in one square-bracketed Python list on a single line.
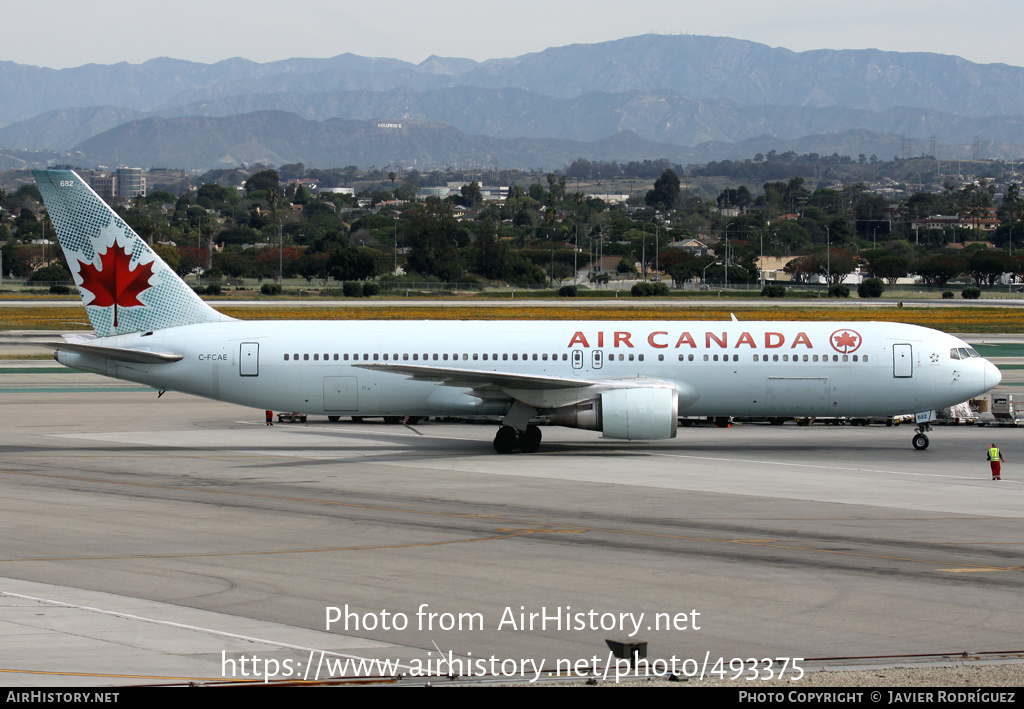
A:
[(270, 417), (994, 458)]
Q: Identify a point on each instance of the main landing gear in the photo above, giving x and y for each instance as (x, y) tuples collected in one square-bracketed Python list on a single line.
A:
[(920, 440), (508, 439)]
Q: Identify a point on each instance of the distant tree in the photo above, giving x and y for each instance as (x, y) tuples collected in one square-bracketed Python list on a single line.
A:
[(471, 193), (939, 268), (264, 180), (986, 265), (665, 192), (431, 235)]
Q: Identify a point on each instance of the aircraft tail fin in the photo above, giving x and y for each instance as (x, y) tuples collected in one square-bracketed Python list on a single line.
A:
[(125, 286)]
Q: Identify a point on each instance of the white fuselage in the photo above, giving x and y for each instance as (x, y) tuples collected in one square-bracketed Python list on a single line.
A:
[(720, 368)]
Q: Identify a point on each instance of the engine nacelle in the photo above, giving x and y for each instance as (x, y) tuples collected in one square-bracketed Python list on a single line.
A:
[(640, 414)]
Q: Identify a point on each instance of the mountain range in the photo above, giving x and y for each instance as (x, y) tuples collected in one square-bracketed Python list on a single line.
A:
[(681, 97)]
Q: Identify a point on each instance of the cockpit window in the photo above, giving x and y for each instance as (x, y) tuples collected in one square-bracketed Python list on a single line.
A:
[(973, 352), (964, 354), (954, 353)]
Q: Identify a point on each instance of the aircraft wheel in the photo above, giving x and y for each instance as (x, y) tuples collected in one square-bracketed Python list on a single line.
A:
[(505, 439), (334, 419), (777, 420), (529, 440), (920, 442), (392, 420)]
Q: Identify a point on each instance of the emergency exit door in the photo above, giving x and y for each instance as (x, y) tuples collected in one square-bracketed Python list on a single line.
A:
[(249, 359)]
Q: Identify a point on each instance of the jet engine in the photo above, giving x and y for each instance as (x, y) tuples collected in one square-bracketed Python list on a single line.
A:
[(639, 414)]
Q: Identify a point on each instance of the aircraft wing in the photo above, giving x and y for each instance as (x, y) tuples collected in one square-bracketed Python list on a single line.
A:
[(537, 390)]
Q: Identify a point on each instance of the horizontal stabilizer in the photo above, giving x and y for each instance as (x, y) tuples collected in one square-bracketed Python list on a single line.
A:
[(120, 354)]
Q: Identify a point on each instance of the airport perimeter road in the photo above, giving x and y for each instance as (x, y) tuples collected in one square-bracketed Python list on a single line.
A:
[(149, 540)]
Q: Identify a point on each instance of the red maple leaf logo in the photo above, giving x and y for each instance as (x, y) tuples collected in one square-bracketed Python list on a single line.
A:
[(845, 341), (114, 283)]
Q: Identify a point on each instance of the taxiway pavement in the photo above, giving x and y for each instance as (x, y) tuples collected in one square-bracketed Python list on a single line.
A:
[(155, 540)]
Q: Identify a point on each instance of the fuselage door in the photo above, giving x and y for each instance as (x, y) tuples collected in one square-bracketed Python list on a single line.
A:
[(249, 359), (597, 359), (902, 361), (577, 359)]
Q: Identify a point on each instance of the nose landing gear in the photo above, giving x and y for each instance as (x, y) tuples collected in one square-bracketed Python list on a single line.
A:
[(920, 441)]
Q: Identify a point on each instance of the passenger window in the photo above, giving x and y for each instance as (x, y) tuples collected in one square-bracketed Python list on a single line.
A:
[(286, 358), (305, 357)]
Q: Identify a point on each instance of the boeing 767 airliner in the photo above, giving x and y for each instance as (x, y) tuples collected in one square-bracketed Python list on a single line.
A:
[(629, 380)]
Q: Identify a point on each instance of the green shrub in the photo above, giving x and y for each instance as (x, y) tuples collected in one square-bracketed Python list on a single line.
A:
[(947, 295), (352, 289), (213, 289), (774, 290), (567, 292), (971, 293), (839, 290), (371, 289), (60, 290), (51, 273), (871, 288), (200, 290), (270, 289)]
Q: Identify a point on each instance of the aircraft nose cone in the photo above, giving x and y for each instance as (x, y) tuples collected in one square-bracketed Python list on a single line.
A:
[(992, 375)]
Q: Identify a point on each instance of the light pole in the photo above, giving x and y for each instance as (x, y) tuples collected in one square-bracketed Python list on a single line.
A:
[(828, 261), (727, 254), (760, 263), (704, 273)]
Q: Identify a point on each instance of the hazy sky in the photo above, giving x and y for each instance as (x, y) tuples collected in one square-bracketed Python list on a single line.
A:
[(63, 33)]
